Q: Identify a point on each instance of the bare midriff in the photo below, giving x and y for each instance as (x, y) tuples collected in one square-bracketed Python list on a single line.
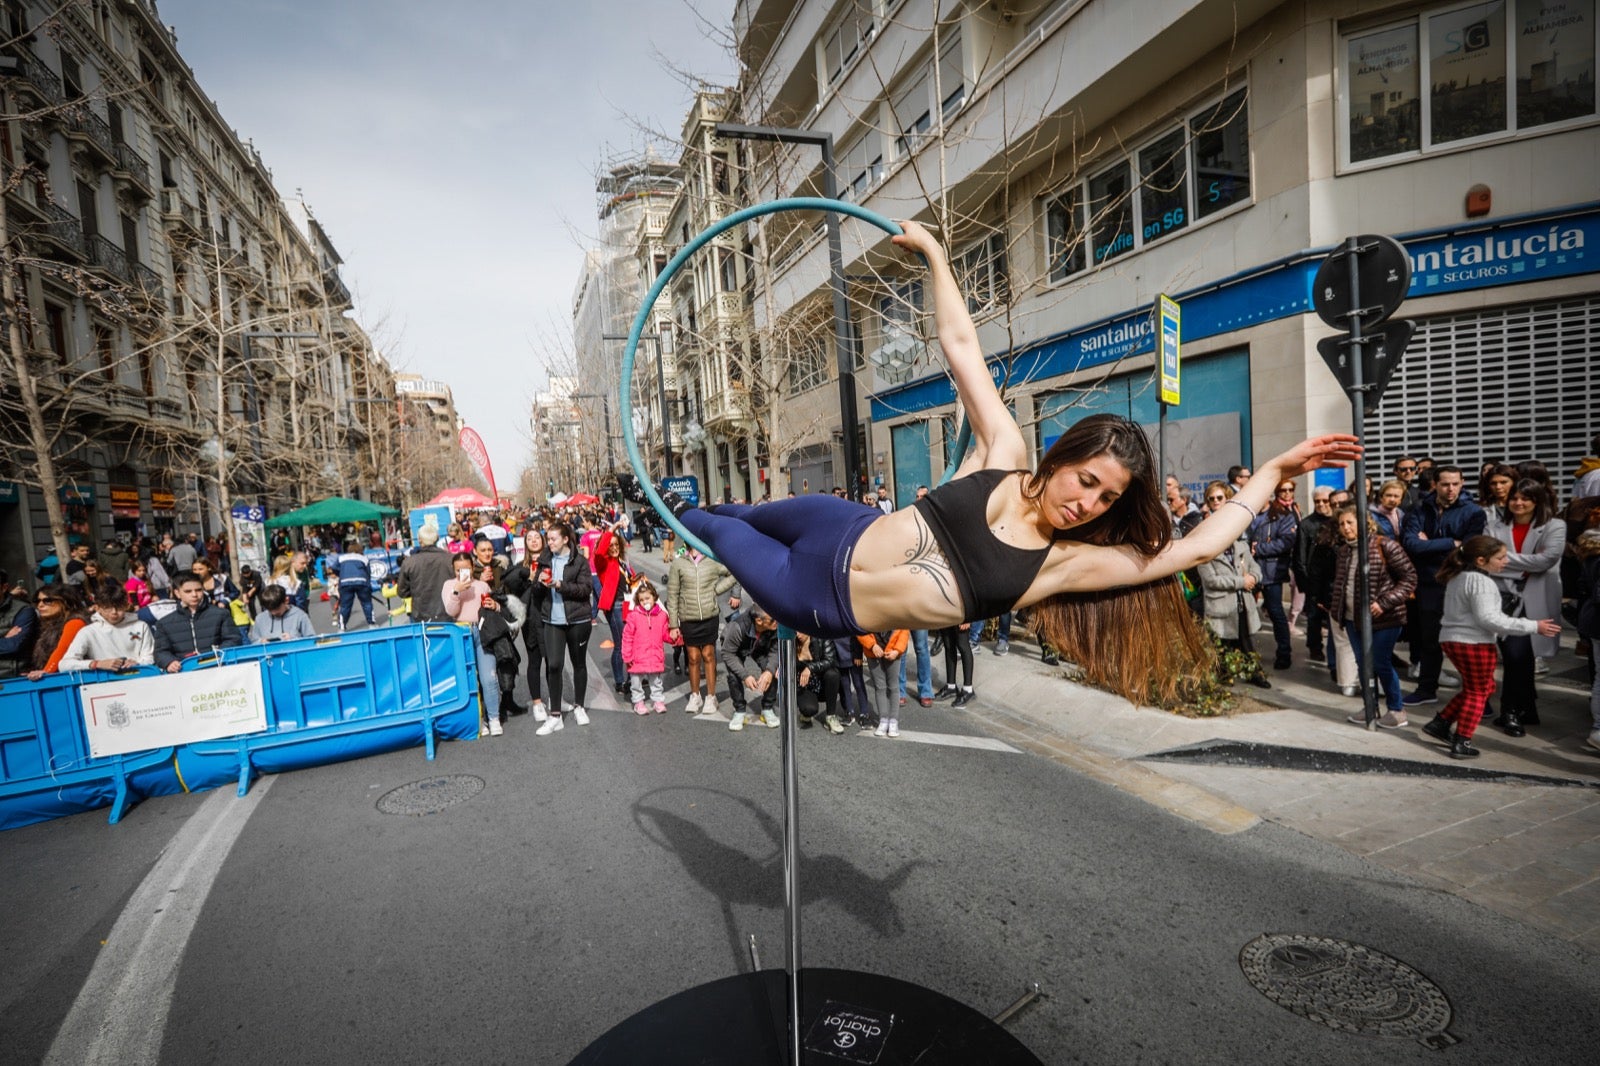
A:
[(900, 579)]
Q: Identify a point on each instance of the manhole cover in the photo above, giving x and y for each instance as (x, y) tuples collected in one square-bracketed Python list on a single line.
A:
[(1347, 987), (431, 795)]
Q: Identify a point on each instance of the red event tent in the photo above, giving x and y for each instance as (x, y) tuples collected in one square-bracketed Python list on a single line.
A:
[(466, 499)]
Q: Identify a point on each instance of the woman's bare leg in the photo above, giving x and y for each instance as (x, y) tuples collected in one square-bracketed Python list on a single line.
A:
[(694, 670), (710, 653)]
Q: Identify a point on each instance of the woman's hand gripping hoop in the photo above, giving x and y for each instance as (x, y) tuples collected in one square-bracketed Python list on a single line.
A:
[(738, 218)]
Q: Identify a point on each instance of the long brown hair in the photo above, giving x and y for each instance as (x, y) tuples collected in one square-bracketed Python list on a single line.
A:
[(1141, 642)]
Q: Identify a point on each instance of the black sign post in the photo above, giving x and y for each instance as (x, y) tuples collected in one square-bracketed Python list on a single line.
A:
[(1359, 285)]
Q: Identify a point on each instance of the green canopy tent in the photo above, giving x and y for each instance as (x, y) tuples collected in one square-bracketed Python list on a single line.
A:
[(332, 511)]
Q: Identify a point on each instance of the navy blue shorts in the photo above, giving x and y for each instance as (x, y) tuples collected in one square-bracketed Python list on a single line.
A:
[(791, 556)]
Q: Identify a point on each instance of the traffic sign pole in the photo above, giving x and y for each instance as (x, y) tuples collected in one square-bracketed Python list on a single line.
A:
[(1357, 287), (1358, 406)]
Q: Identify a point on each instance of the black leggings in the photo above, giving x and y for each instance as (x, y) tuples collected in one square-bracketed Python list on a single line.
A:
[(533, 641), (827, 700), (956, 643), (561, 643)]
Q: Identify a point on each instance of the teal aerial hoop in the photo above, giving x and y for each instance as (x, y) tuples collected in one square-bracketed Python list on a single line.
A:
[(625, 400)]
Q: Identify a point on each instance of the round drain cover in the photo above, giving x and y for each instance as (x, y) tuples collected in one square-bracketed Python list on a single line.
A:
[(1348, 987), (431, 795)]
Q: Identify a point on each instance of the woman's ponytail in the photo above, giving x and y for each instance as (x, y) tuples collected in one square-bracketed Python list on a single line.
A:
[(1466, 555)]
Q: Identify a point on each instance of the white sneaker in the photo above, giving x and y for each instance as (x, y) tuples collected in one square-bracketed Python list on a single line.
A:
[(539, 713), (696, 701), (483, 729), (579, 715), (553, 724), (1449, 680), (736, 723), (1540, 668), (883, 728), (1594, 740), (495, 728), (710, 705), (894, 727), (1414, 671), (769, 719)]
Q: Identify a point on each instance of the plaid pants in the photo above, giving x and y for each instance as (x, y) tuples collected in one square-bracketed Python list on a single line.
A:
[(1475, 663)]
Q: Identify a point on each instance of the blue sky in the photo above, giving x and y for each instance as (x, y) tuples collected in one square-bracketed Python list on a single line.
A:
[(450, 150)]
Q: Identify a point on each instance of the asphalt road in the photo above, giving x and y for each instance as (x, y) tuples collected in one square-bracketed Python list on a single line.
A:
[(604, 868)]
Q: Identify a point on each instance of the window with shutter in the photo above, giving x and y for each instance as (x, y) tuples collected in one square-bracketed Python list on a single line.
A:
[(1506, 384)]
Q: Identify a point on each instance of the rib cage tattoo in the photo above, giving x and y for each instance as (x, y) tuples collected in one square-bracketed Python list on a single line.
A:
[(925, 557)]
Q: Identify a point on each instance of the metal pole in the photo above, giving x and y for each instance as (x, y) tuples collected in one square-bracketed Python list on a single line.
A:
[(789, 712), (1161, 445), (844, 357), (1358, 390), (255, 425), (605, 410)]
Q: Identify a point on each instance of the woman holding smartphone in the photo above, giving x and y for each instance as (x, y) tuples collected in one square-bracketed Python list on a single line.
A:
[(561, 590)]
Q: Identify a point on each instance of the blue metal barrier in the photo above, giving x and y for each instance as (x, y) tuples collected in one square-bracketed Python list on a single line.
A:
[(345, 697), (327, 699), (46, 770)]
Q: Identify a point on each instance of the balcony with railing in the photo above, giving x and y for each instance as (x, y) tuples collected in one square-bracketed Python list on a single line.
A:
[(148, 286), (38, 81), (109, 260), (62, 230), (131, 172), (91, 136), (238, 267), (181, 218), (333, 285)]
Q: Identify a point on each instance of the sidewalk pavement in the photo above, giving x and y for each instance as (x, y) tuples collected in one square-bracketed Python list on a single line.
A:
[(1530, 851)]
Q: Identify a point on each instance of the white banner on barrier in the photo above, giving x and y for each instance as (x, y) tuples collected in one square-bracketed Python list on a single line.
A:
[(157, 712)]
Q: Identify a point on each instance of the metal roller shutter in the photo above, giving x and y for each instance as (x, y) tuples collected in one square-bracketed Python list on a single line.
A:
[(1509, 383)]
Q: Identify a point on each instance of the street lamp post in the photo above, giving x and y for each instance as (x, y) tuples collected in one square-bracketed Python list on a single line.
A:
[(841, 313), (605, 408), (661, 390), (255, 401)]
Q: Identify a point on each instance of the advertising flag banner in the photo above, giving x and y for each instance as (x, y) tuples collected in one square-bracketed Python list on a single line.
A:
[(141, 713), (472, 444)]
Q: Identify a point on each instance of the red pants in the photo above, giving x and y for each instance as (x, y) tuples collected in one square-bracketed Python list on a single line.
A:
[(1475, 663)]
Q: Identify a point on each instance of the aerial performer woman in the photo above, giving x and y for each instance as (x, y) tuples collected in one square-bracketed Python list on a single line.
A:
[(1083, 540)]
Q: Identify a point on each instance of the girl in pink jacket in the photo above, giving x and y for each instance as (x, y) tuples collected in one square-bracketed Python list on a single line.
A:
[(644, 635)]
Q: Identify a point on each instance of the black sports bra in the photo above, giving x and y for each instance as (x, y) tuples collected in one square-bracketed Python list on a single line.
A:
[(991, 574)]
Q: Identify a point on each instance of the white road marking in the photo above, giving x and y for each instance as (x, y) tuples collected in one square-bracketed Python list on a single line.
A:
[(954, 740), (946, 740), (120, 1015)]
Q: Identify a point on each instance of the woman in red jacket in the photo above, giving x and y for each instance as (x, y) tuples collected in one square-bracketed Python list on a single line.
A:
[(610, 571)]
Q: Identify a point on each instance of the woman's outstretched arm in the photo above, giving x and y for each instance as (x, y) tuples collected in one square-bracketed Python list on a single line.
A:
[(1089, 567), (998, 441)]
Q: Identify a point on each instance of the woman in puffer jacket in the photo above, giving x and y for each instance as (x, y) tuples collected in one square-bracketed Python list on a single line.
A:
[(1393, 581), (693, 584)]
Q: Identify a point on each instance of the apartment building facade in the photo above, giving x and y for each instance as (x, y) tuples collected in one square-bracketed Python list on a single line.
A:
[(1082, 157), (155, 270)]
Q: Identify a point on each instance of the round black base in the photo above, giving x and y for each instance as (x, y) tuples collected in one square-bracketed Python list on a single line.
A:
[(845, 1017)]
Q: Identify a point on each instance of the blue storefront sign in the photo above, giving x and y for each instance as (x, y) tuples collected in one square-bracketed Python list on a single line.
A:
[(1510, 252), (10, 492), (688, 487)]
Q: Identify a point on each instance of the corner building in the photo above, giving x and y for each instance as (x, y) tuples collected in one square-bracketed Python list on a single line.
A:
[(1086, 156)]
